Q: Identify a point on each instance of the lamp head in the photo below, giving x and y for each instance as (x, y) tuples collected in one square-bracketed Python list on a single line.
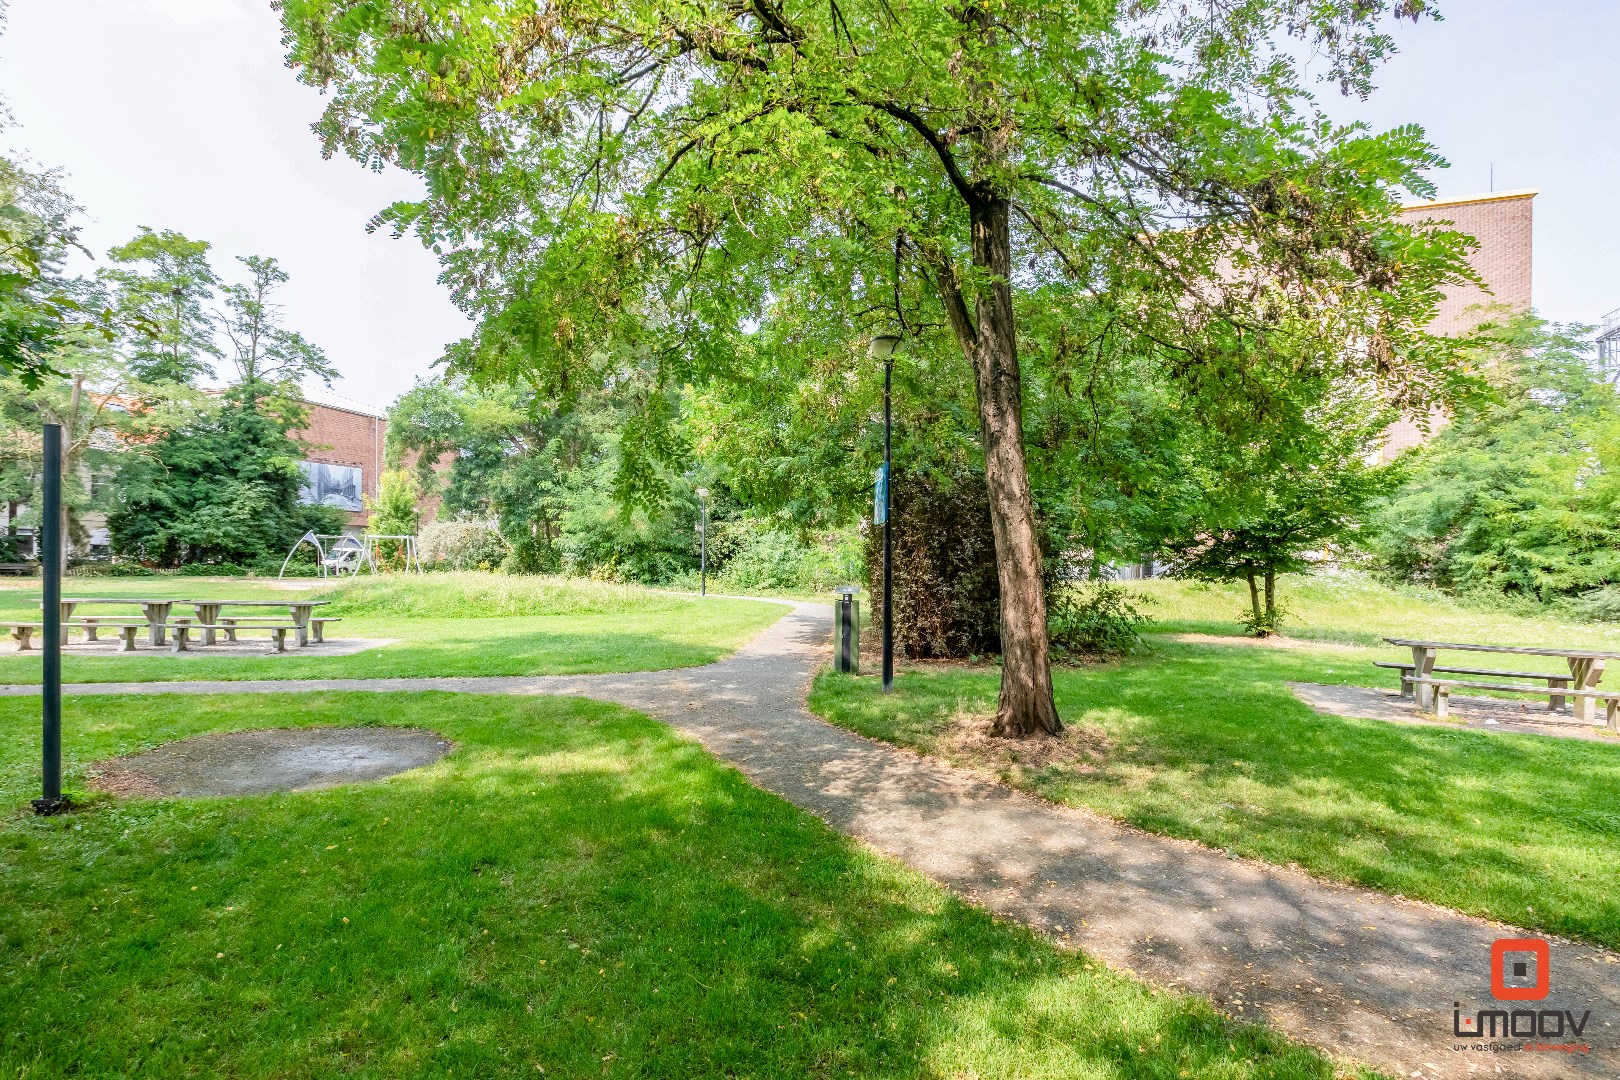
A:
[(703, 493), (883, 346)]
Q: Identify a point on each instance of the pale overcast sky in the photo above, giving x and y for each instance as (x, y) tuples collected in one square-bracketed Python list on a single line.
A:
[(179, 114)]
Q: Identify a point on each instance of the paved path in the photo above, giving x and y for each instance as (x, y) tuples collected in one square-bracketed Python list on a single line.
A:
[(1474, 713), (1352, 971)]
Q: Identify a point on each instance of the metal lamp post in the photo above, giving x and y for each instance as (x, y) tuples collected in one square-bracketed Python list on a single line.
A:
[(882, 348), (50, 563), (703, 542)]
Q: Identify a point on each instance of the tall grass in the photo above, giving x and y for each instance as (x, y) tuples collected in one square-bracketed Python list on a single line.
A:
[(473, 595)]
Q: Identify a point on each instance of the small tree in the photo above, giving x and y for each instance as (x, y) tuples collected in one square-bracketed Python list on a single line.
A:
[(221, 488), (1270, 516), (1519, 497), (396, 510)]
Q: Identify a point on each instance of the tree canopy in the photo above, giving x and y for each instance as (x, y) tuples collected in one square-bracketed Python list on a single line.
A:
[(1518, 496), (650, 184), (162, 284)]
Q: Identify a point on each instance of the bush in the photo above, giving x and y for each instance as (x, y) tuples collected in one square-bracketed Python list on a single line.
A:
[(462, 545), (764, 558), (1096, 618), (604, 539), (947, 599), (1602, 605), (531, 555), (111, 568)]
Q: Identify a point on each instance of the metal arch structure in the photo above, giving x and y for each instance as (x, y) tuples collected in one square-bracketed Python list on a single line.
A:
[(365, 543), (1608, 345), (413, 560), (315, 542)]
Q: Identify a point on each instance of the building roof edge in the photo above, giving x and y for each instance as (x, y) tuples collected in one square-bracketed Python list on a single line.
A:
[(1490, 196), (343, 404)]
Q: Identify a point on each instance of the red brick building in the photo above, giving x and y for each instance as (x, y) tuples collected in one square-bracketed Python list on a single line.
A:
[(343, 452), (1502, 223), (345, 447)]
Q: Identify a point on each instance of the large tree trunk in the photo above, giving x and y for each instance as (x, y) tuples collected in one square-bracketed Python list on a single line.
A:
[(988, 337), (1026, 706), (1254, 600)]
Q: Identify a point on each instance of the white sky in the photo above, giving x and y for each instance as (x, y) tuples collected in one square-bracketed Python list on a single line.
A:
[(179, 114)]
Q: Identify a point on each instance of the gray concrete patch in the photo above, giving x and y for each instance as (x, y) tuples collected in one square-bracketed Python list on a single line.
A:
[(243, 646), (1467, 713), (279, 759)]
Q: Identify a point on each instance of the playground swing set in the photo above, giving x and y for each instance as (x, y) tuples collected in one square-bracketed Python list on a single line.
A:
[(341, 554)]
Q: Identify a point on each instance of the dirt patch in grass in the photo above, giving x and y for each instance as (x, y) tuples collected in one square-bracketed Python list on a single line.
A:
[(279, 759), (968, 741), (1275, 641)]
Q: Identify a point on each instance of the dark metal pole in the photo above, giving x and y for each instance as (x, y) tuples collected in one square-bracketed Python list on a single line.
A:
[(888, 530), (50, 561), (703, 548)]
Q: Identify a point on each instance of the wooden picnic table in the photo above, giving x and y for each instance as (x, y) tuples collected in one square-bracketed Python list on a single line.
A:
[(1585, 668), (155, 612), (301, 610)]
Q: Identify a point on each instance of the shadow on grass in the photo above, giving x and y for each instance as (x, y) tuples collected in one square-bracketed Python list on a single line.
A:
[(574, 889), (1209, 744)]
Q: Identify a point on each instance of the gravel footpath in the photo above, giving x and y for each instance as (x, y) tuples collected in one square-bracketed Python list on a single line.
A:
[(1355, 972)]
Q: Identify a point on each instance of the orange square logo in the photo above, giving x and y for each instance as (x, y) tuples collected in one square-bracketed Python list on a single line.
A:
[(1503, 969)]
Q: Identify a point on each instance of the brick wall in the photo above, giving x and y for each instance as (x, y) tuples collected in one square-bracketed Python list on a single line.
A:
[(1502, 223), (337, 436)]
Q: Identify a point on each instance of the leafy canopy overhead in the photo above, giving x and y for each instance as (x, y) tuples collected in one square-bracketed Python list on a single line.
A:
[(654, 179), (41, 311)]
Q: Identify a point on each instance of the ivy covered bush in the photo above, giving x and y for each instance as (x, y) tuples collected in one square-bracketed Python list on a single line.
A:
[(946, 594)]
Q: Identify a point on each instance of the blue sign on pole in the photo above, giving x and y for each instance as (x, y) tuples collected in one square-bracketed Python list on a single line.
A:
[(880, 495)]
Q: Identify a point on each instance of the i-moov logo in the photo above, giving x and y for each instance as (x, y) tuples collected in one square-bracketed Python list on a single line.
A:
[(1521, 972)]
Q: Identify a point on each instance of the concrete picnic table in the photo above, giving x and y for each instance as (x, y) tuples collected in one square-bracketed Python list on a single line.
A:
[(301, 610), (156, 612), (1585, 668)]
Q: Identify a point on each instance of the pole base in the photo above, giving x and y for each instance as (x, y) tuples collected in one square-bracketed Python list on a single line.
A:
[(47, 807)]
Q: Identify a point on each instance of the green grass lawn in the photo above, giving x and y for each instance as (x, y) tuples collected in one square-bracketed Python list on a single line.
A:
[(1204, 741), (574, 891), (442, 624)]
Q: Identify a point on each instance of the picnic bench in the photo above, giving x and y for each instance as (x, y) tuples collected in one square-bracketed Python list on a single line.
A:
[(23, 632), (300, 611), (93, 625), (180, 632), (1579, 687), (155, 612)]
